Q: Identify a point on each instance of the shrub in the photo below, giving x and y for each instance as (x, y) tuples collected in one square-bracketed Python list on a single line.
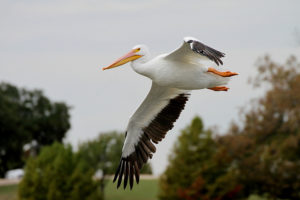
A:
[(58, 174)]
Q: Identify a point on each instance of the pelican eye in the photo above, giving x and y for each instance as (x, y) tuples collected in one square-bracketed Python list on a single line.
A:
[(138, 49)]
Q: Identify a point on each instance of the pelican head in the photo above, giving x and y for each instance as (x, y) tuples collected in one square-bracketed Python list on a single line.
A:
[(137, 52)]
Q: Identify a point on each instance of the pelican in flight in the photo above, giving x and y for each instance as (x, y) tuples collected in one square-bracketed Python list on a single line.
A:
[(173, 75)]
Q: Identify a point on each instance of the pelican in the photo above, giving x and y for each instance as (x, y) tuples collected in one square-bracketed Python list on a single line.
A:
[(173, 76)]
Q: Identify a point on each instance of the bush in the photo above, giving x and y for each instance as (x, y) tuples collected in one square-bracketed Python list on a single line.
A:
[(191, 154), (58, 173)]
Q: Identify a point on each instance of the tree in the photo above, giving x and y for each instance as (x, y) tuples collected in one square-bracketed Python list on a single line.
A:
[(28, 117), (190, 155), (58, 174), (268, 161), (263, 154), (103, 155)]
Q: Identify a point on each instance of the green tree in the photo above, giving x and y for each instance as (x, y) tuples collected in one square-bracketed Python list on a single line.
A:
[(191, 153), (103, 155), (28, 117), (58, 174)]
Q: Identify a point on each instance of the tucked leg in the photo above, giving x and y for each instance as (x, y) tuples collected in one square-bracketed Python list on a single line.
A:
[(224, 74), (221, 88)]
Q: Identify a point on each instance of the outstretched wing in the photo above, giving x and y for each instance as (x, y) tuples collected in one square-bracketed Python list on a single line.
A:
[(148, 125), (192, 51)]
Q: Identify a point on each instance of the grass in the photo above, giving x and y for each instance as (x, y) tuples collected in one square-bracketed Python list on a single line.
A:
[(146, 190), (8, 192)]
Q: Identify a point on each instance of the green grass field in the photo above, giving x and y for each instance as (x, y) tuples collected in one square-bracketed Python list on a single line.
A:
[(146, 190), (8, 192)]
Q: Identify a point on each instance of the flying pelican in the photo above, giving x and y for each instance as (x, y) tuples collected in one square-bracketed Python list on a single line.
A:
[(173, 75)]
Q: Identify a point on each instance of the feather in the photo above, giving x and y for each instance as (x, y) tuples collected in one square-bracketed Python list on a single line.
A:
[(131, 175), (126, 174), (121, 175), (118, 170)]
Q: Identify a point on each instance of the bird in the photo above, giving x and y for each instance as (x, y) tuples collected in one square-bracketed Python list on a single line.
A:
[(173, 77)]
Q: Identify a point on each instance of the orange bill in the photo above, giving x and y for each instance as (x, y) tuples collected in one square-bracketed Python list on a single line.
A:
[(124, 59)]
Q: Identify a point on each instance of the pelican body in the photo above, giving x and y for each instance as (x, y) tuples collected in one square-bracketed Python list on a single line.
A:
[(173, 75), (177, 74)]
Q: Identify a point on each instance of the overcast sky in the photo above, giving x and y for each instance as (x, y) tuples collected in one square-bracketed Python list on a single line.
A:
[(60, 46)]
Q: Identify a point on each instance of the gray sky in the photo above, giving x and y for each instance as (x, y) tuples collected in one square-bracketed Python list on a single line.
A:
[(60, 46)]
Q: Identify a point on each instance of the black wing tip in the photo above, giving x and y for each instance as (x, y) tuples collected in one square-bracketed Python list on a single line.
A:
[(121, 174), (117, 171), (126, 174), (131, 186), (129, 168)]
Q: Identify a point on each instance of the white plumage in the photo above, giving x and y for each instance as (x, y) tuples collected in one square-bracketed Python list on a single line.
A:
[(155, 101), (173, 75)]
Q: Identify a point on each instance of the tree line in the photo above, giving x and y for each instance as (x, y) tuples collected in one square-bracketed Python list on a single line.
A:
[(32, 129)]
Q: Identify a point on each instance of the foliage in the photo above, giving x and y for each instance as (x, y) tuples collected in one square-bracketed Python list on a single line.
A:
[(267, 149), (104, 153), (28, 117), (192, 151), (58, 173)]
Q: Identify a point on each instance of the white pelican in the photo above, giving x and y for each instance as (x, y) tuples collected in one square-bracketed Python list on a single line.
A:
[(173, 75)]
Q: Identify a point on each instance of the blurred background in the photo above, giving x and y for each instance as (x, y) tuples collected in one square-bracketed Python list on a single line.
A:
[(62, 118)]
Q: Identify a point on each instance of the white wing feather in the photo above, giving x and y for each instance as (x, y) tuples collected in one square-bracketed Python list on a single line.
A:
[(156, 100), (185, 54)]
